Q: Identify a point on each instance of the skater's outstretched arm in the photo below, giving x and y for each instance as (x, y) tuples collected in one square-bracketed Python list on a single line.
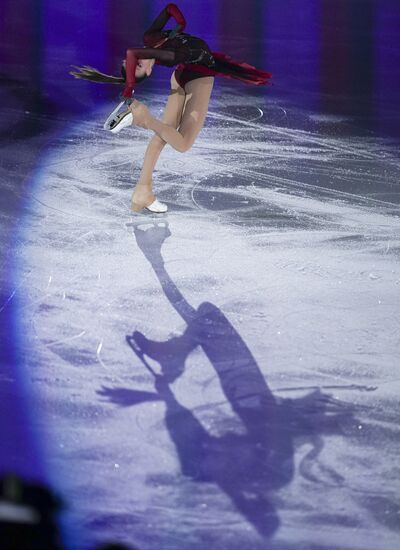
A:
[(153, 38), (153, 35)]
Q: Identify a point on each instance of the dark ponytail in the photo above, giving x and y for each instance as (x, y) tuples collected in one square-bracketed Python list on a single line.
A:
[(89, 73)]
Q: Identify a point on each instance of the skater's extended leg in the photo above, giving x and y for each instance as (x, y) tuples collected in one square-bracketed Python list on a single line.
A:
[(198, 94), (143, 192)]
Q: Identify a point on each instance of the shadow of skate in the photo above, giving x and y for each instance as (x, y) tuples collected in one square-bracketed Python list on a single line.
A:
[(250, 464)]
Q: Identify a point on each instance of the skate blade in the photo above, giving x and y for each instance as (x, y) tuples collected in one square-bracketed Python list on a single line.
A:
[(111, 116)]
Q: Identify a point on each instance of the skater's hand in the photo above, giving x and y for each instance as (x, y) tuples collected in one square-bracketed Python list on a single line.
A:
[(140, 112), (127, 100), (174, 32)]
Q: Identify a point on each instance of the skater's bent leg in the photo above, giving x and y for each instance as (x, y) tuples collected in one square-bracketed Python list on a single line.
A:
[(143, 193), (198, 94), (172, 117)]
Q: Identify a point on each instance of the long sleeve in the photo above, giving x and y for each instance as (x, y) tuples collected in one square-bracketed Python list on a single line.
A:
[(132, 57), (152, 38), (154, 32)]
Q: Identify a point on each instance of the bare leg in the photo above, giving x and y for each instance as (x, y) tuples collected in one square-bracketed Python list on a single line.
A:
[(143, 192), (195, 110)]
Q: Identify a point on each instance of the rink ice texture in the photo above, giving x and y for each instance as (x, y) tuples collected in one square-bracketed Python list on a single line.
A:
[(276, 224)]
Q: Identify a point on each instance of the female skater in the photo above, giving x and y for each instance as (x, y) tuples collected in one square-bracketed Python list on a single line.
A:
[(187, 105)]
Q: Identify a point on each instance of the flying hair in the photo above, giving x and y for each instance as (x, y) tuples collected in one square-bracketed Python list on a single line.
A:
[(92, 74)]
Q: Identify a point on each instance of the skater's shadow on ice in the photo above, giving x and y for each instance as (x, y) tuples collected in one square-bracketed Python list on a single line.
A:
[(249, 464)]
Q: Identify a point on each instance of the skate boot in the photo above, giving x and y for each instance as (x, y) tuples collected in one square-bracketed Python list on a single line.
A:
[(116, 121)]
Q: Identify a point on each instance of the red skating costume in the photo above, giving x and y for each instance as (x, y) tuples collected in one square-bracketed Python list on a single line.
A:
[(191, 55)]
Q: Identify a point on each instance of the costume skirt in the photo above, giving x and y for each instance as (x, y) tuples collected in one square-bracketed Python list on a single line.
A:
[(224, 66)]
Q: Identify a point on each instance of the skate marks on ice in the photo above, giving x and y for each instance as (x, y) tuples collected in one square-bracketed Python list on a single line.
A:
[(270, 166), (302, 274), (248, 463)]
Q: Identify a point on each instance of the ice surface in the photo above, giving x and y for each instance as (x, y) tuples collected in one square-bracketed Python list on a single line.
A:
[(268, 296)]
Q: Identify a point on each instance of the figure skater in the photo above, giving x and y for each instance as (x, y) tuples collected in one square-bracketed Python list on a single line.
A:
[(191, 85)]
